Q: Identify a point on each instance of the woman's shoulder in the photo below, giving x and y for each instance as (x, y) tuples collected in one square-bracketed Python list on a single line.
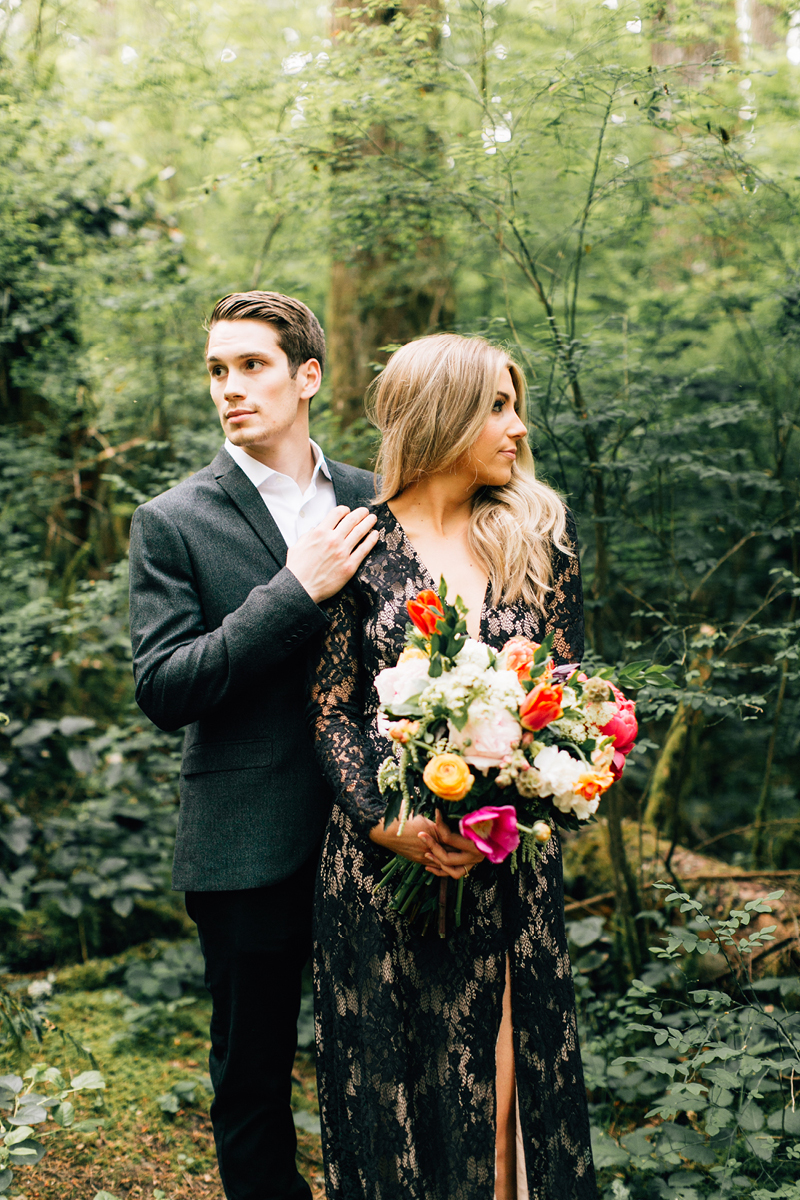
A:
[(390, 567)]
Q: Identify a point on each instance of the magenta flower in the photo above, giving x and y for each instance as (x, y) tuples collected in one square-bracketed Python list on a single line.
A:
[(493, 829), (623, 727)]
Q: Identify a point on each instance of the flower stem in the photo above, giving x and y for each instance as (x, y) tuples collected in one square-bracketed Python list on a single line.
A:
[(443, 906), (459, 898), (388, 871), (413, 887), (407, 885)]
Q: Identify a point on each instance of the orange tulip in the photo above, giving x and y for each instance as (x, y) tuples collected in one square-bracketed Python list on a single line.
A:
[(425, 611), (541, 706)]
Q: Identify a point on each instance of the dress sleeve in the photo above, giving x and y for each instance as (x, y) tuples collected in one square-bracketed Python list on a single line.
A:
[(565, 610), (336, 716)]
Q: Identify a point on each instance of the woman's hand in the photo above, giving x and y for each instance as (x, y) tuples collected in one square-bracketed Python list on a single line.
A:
[(410, 843), (448, 853)]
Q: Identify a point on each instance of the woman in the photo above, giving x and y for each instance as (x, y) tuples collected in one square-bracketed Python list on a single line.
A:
[(448, 1070)]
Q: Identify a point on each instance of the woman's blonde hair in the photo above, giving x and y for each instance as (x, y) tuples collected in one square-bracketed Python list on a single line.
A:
[(430, 403)]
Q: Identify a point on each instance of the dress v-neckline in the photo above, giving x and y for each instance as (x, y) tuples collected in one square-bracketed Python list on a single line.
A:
[(424, 569)]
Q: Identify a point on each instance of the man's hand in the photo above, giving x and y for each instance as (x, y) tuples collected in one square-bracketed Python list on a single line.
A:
[(326, 557)]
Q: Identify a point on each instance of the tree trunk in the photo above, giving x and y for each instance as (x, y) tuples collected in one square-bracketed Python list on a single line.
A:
[(380, 297)]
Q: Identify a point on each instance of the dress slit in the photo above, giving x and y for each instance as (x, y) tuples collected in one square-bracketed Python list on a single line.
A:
[(509, 1142)]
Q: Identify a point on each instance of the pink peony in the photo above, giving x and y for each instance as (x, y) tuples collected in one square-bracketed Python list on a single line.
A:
[(488, 737), (623, 727), (493, 829)]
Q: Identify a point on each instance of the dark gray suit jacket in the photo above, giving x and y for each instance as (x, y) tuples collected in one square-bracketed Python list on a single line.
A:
[(220, 629)]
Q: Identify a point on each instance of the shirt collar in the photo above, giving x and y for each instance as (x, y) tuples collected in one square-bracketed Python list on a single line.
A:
[(258, 473)]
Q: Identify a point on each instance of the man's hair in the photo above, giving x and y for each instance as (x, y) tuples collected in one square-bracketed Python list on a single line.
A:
[(298, 331)]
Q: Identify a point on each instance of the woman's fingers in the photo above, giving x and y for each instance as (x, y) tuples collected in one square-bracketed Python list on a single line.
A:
[(448, 838), (451, 860)]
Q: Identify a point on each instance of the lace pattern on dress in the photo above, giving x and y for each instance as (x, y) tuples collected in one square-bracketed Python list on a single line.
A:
[(407, 1023)]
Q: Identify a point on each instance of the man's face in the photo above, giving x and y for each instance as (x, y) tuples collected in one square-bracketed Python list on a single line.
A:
[(260, 406)]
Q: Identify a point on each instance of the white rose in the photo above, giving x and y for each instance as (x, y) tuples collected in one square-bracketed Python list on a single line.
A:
[(558, 774), (582, 808), (558, 770), (488, 737), (396, 685)]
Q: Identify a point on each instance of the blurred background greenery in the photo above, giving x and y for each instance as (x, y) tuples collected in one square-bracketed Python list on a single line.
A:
[(608, 188)]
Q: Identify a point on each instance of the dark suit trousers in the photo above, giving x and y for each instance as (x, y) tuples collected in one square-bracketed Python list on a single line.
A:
[(255, 943)]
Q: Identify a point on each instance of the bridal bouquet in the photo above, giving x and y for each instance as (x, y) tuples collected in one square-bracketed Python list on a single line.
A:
[(505, 743)]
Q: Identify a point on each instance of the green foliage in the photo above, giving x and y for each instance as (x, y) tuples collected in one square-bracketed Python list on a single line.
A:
[(704, 1089), (629, 229), (157, 988), (26, 1105), (184, 1093), (619, 222)]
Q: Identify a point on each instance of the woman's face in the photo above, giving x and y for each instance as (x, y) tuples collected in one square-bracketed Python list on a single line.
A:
[(494, 451)]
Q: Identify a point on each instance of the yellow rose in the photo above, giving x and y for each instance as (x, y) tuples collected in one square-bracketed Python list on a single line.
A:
[(448, 776)]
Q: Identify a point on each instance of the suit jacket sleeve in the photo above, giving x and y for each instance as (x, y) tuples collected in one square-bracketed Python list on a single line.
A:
[(182, 670)]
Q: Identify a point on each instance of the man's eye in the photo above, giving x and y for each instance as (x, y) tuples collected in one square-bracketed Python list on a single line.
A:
[(216, 372), (252, 363)]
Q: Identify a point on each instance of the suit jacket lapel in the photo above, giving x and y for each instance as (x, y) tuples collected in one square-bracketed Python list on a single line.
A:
[(250, 504), (344, 485)]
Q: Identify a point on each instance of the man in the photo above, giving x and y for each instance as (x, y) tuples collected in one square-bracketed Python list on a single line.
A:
[(228, 570)]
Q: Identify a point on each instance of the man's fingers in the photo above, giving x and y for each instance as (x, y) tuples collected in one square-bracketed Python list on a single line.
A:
[(358, 531), (349, 519), (332, 519), (361, 552)]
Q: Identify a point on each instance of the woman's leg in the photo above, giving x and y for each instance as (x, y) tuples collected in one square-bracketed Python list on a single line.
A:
[(505, 1187), (510, 1181)]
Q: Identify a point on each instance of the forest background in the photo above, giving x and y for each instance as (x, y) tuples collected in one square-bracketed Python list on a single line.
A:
[(608, 189)]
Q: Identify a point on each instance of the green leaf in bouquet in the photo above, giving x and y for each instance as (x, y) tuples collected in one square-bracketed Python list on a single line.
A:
[(459, 718), (392, 807), (442, 589), (545, 649)]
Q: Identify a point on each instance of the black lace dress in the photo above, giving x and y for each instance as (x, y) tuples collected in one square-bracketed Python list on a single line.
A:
[(407, 1023)]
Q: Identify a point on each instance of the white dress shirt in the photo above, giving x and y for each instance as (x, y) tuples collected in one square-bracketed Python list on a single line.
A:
[(293, 511)]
